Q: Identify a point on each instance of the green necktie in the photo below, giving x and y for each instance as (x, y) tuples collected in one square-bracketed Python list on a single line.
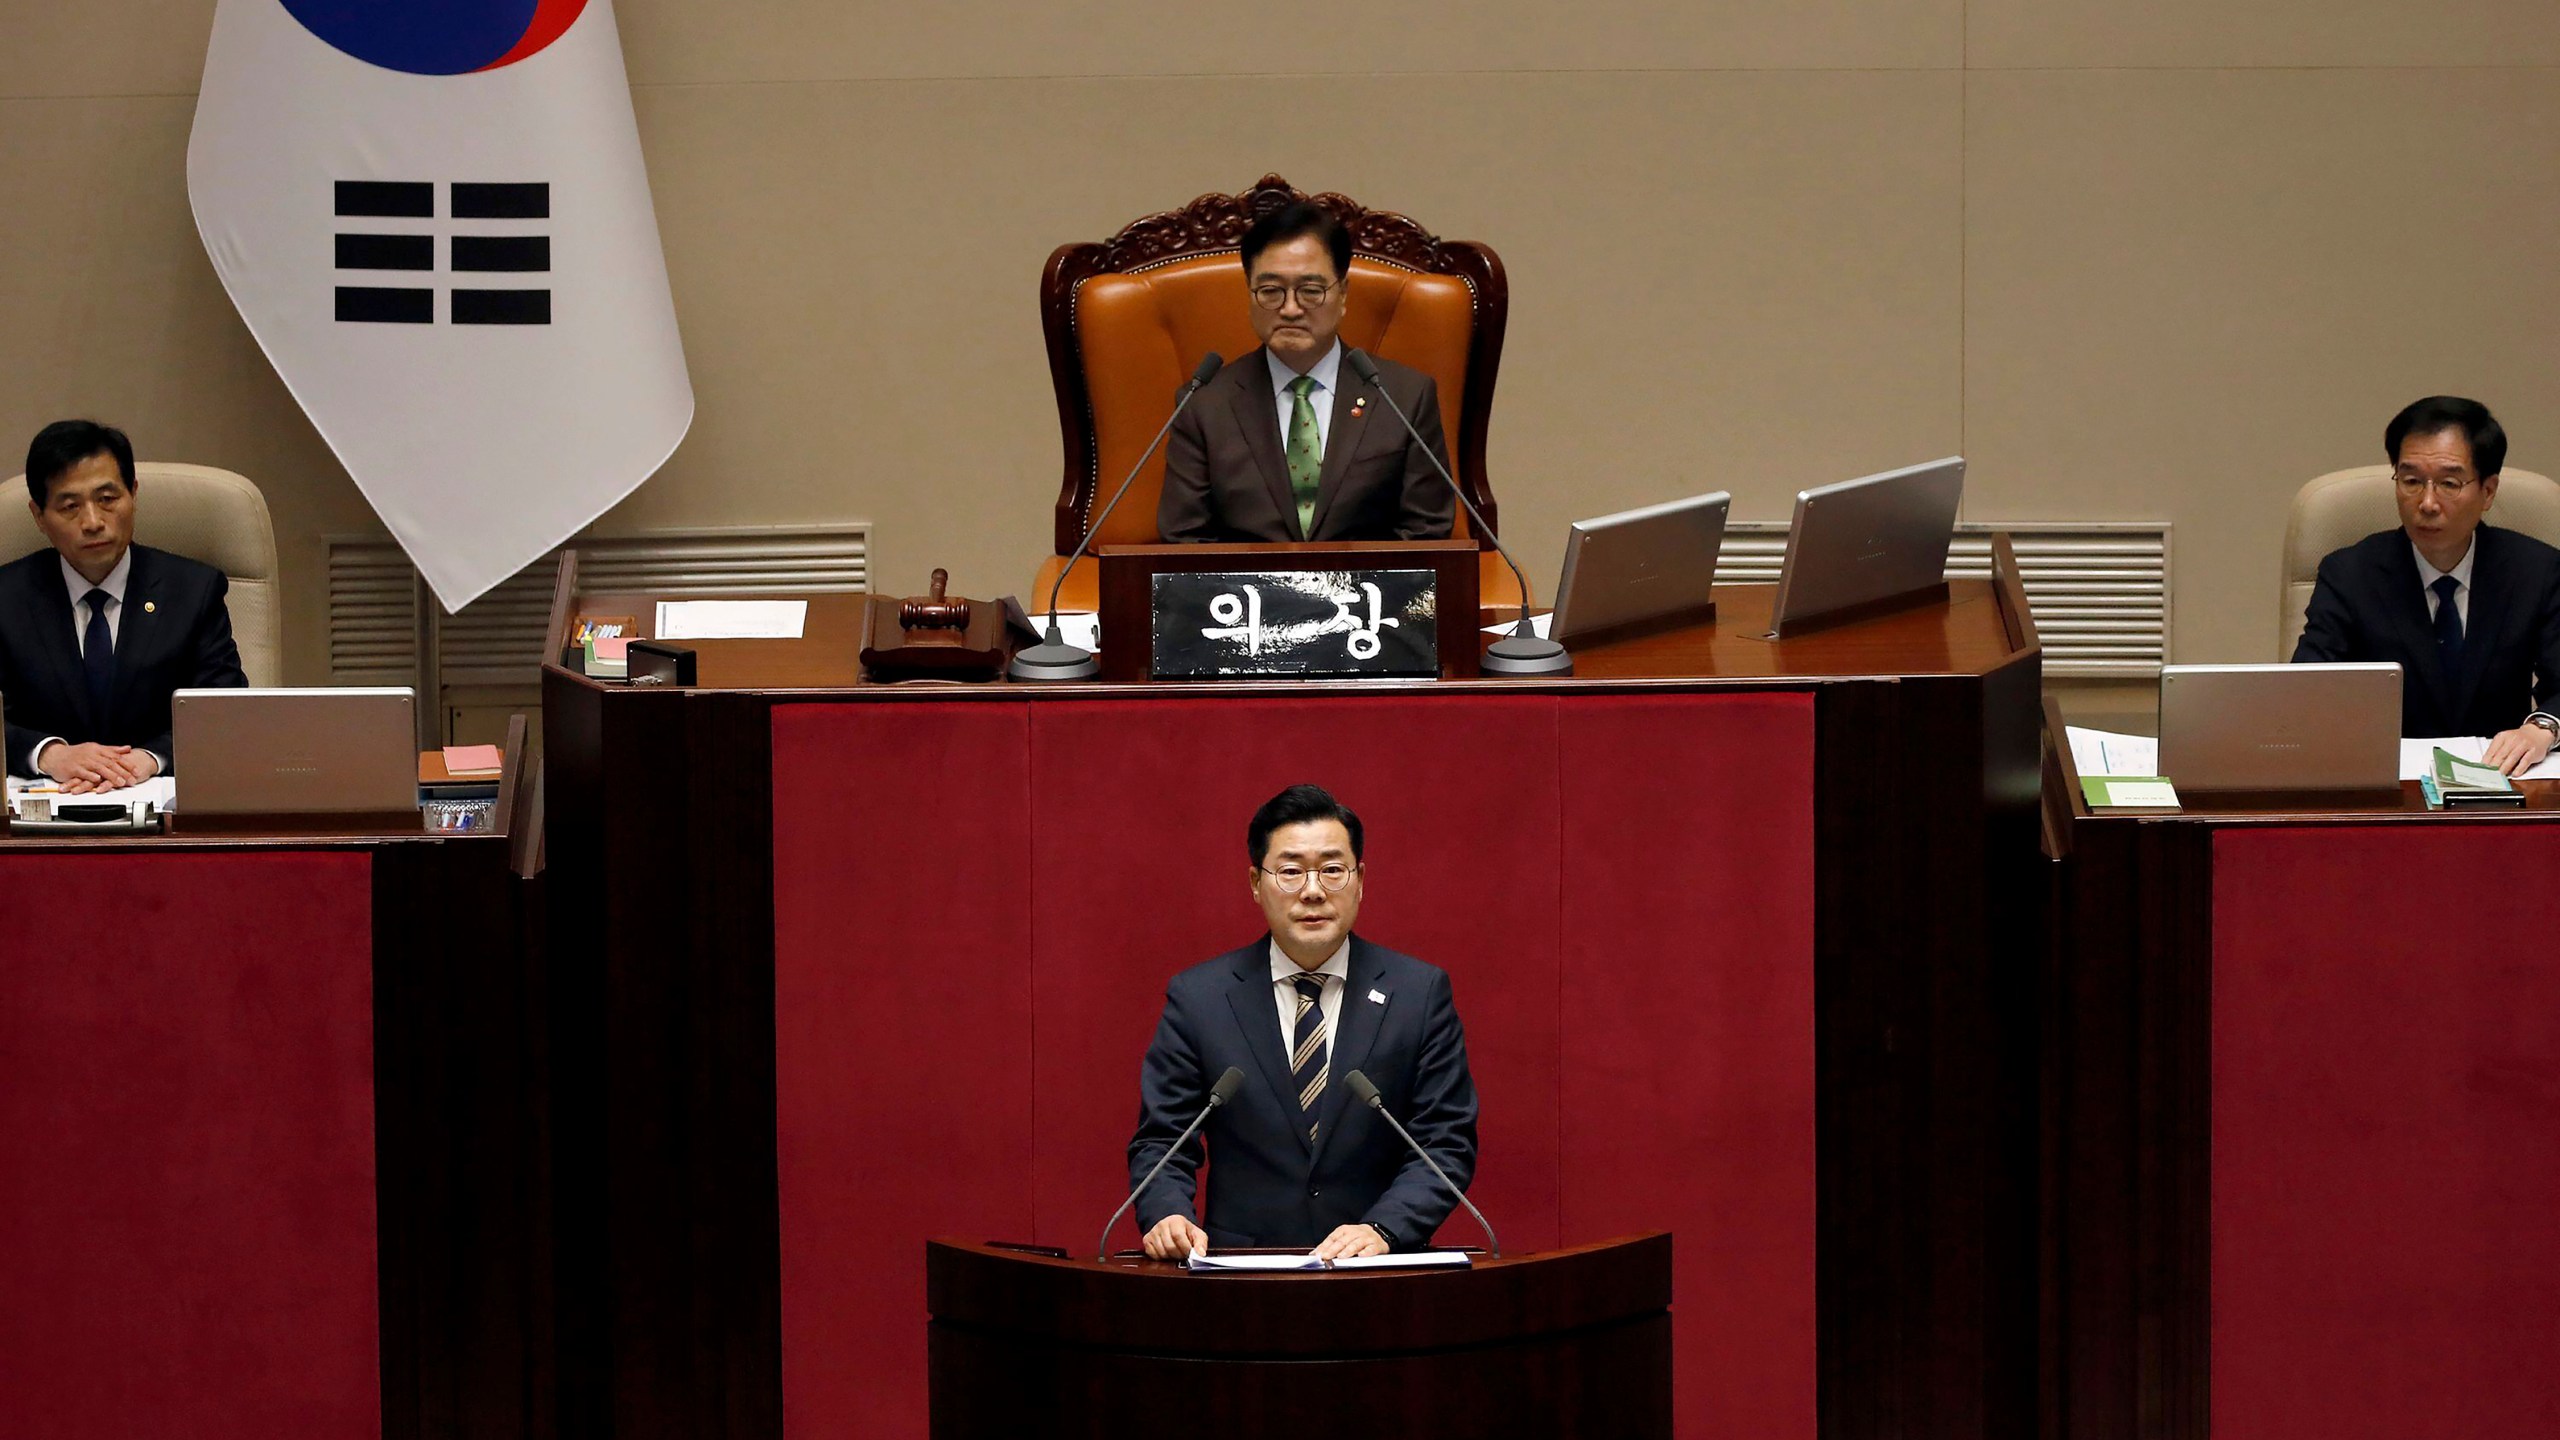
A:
[(1306, 452)]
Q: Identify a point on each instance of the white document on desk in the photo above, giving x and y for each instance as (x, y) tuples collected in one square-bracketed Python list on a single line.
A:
[(1080, 628), (1539, 625), (2105, 752), (2418, 757), (1392, 1260), (731, 619), (160, 790)]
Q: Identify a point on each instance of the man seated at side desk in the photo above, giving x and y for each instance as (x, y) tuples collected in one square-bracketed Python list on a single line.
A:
[(2471, 612), (97, 633), (1286, 444)]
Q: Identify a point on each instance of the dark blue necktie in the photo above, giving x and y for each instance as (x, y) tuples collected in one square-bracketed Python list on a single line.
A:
[(98, 657), (1306, 1049), (2448, 623)]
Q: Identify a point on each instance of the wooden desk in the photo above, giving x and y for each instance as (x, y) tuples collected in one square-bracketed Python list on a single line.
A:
[(1743, 933), (2300, 1118), (276, 1136), (1569, 1342)]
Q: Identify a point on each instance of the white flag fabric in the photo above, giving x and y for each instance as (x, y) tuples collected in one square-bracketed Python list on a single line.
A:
[(434, 216)]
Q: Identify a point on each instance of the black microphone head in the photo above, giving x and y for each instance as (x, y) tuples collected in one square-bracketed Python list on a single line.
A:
[(1360, 363), (1233, 1081), (1207, 370), (1361, 1089)]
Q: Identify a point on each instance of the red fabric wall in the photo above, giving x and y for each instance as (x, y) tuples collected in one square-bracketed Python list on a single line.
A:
[(186, 1116), (2386, 1132), (1621, 889)]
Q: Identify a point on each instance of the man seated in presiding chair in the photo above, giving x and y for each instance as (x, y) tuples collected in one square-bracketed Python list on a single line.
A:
[(2471, 612), (97, 633), (1287, 444)]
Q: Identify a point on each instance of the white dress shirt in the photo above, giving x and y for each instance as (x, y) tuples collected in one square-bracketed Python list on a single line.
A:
[(1336, 971), (2428, 575), (1325, 371), (79, 586)]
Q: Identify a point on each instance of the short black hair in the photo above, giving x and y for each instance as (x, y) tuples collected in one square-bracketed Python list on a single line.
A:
[(2451, 412), (1296, 220), (1297, 805), (65, 443)]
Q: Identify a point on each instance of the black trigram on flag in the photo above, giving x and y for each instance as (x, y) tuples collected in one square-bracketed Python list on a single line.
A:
[(469, 255)]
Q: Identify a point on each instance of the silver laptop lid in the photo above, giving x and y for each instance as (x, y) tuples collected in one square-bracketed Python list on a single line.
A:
[(295, 751), (1868, 540), (2280, 727), (1639, 565)]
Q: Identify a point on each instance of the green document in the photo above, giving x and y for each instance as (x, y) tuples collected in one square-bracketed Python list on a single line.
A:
[(2129, 792)]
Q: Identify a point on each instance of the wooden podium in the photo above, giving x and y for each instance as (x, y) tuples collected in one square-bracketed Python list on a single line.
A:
[(1568, 1342)]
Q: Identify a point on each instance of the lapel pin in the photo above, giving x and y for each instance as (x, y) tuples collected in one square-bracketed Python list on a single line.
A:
[(148, 607), (1359, 405), (1377, 997)]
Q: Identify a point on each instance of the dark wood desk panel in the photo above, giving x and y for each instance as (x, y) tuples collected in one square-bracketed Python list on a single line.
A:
[(1925, 871), (2144, 975)]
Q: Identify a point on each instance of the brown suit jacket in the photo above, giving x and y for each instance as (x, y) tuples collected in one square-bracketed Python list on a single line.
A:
[(1225, 477)]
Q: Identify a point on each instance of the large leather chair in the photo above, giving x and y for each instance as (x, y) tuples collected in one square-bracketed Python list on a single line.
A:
[(2344, 506), (1128, 317), (204, 514)]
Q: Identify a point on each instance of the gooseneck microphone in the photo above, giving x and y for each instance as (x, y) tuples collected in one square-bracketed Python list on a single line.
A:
[(1367, 1094), (1053, 658), (1522, 652), (1219, 1094)]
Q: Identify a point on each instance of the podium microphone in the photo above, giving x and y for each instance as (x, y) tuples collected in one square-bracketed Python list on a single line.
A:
[(1367, 1094), (1219, 1094), (1521, 652), (1053, 658)]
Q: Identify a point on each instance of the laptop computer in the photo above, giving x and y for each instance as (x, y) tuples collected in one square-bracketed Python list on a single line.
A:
[(1656, 563), (1864, 542), (2280, 727), (296, 752)]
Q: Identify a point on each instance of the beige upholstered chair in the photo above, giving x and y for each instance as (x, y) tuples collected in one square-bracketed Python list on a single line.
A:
[(2344, 506), (204, 514)]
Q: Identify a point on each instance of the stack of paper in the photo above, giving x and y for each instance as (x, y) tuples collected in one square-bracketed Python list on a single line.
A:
[(1415, 1260)]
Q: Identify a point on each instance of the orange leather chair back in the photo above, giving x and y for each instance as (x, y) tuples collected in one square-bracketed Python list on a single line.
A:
[(1140, 334)]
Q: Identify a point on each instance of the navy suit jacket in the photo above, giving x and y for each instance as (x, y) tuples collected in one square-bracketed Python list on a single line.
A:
[(1267, 1185), (181, 641), (2370, 605)]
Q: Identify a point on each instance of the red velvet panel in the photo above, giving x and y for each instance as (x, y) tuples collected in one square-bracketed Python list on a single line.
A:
[(2386, 1132), (902, 1033), (1688, 1029), (186, 1146), (1140, 871)]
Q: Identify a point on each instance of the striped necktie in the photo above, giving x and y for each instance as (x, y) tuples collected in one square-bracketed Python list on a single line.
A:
[(1306, 1050)]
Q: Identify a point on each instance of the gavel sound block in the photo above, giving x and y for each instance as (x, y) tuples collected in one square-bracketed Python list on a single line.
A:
[(933, 636)]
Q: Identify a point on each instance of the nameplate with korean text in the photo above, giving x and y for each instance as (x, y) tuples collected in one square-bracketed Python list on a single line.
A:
[(1315, 623)]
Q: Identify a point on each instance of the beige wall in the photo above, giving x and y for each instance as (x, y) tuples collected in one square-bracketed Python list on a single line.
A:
[(2136, 261)]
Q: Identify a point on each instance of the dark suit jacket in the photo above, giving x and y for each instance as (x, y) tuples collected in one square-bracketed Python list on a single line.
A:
[(1267, 1186), (182, 641), (2369, 605), (1226, 476)]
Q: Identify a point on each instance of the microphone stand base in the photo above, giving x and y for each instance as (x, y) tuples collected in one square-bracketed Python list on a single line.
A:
[(1053, 662), (1526, 655)]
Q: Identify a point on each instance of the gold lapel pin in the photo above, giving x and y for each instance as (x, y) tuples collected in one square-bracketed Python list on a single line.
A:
[(148, 607)]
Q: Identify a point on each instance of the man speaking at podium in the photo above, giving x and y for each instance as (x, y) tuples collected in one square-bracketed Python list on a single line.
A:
[(1285, 444), (1295, 1162)]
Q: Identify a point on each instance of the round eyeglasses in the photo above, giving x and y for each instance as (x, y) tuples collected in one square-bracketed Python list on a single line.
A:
[(1331, 877), (1310, 293)]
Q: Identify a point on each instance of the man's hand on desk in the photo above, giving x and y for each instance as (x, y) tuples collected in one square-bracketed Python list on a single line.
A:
[(1176, 1238), (2520, 749), (87, 769), (1349, 1240)]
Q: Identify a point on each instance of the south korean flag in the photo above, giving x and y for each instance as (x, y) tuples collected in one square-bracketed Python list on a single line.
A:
[(434, 217)]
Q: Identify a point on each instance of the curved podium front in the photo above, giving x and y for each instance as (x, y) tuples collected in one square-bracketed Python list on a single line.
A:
[(1566, 1342)]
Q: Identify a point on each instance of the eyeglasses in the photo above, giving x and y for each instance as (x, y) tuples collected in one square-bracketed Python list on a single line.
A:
[(1331, 877), (1310, 293), (2450, 487)]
